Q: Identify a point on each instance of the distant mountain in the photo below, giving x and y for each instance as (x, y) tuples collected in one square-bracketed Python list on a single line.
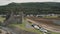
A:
[(36, 5)]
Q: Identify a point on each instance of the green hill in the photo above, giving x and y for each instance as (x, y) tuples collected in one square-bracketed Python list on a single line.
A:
[(32, 8)]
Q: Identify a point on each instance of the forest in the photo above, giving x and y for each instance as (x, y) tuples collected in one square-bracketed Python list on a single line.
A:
[(31, 8)]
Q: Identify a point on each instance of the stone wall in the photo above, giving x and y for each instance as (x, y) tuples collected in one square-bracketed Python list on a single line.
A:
[(14, 19)]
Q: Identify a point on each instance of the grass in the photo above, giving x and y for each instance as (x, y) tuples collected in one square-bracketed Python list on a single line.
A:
[(54, 33), (50, 17), (23, 27), (2, 19)]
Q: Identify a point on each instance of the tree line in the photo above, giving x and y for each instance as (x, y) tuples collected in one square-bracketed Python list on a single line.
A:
[(31, 8)]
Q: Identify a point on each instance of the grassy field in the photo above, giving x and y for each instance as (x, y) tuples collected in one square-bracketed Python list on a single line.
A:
[(50, 17), (22, 26), (55, 33), (2, 19)]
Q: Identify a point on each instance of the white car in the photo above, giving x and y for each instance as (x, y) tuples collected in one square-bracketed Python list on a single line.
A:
[(40, 28), (43, 30), (36, 26)]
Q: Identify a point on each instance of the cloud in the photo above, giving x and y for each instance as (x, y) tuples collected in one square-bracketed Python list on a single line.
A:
[(56, 0), (22, 1), (4, 2)]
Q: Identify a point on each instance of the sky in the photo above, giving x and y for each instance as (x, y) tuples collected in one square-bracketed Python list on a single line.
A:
[(5, 2)]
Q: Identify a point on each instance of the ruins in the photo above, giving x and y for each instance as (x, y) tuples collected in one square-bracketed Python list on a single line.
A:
[(13, 19)]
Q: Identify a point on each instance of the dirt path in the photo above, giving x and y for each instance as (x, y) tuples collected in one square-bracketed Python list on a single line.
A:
[(45, 24), (16, 30)]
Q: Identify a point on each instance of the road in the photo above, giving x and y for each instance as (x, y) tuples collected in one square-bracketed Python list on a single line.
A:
[(47, 24), (7, 30), (16, 30)]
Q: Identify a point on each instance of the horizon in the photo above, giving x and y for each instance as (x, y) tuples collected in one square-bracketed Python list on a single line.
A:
[(5, 2), (31, 2)]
